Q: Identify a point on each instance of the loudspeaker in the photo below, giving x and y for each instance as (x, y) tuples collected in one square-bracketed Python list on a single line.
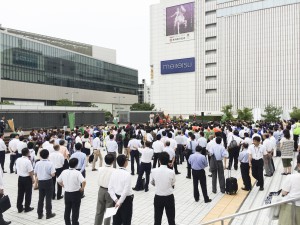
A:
[(202, 113)]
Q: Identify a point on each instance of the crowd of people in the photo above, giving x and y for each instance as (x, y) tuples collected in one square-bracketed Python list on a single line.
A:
[(49, 160)]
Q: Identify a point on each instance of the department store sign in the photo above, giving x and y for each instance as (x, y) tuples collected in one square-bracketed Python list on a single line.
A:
[(177, 66)]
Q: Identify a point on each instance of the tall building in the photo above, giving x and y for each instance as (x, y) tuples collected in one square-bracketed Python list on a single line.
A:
[(39, 70), (144, 92), (207, 54)]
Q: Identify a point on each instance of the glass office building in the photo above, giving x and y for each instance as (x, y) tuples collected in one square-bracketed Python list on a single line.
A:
[(26, 60)]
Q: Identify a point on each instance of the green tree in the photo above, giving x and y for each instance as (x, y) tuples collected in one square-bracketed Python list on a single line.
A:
[(272, 113), (64, 102), (107, 115), (6, 103), (227, 113), (245, 114), (142, 107), (295, 114)]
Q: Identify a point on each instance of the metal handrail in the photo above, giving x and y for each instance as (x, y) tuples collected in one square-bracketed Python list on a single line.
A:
[(222, 219)]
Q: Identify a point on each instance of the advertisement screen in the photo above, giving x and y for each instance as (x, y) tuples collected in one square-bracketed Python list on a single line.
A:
[(180, 19), (177, 66)]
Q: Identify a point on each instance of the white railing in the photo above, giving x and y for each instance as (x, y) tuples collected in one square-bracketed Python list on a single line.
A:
[(222, 219)]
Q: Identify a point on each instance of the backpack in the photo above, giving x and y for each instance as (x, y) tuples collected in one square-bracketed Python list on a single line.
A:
[(233, 144)]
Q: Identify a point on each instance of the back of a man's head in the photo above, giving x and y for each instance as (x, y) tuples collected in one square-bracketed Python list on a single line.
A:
[(78, 146), (44, 154), (121, 160), (170, 135), (218, 140), (73, 163), (25, 151), (164, 158), (167, 143), (109, 159)]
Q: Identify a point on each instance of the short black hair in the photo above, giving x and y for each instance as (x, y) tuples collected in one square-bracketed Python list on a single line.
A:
[(198, 148), (73, 162), (245, 145), (164, 133), (121, 160), (1, 134), (218, 140), (256, 138), (25, 151), (44, 154), (167, 143), (111, 136), (30, 145), (158, 137), (246, 134), (164, 158), (109, 159), (170, 135), (61, 142), (78, 146), (148, 144)]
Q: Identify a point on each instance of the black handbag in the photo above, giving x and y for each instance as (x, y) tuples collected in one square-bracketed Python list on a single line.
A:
[(91, 158), (4, 203)]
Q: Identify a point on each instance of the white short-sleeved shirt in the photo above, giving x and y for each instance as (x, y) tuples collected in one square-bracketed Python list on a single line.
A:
[(71, 179), (23, 166), (257, 152), (170, 151), (292, 185), (158, 146)]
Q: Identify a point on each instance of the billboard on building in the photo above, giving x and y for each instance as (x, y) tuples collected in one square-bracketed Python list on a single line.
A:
[(180, 22), (177, 66)]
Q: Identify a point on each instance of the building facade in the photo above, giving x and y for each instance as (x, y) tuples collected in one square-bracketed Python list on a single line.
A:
[(144, 92), (246, 54), (35, 72)]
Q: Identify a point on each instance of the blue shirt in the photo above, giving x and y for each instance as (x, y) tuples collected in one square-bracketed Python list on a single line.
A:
[(43, 169), (198, 161), (244, 156), (81, 160), (219, 151)]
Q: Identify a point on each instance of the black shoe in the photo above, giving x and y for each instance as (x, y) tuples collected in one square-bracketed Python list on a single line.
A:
[(135, 189), (132, 174), (210, 175), (40, 216), (7, 222), (53, 197), (207, 201), (215, 192), (6, 172), (29, 209), (197, 200), (245, 189), (58, 198), (188, 177), (94, 169), (146, 189), (284, 174), (177, 173), (266, 175), (50, 216), (257, 184), (20, 210), (81, 197), (261, 189), (12, 172)]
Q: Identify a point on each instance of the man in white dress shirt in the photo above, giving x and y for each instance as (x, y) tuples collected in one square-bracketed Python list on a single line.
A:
[(58, 160), (164, 180), (145, 167), (97, 151), (12, 147), (3, 149), (134, 144), (119, 189), (112, 147), (268, 156), (256, 153), (104, 199), (158, 148), (74, 183)]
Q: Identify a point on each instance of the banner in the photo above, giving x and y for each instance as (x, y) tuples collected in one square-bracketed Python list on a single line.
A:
[(287, 150), (177, 66), (71, 116)]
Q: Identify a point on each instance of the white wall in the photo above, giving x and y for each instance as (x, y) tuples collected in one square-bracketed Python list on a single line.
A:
[(105, 54)]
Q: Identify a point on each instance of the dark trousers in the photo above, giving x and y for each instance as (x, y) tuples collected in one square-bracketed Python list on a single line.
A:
[(179, 154), (83, 174), (2, 221), (120, 147), (258, 171), (134, 154), (24, 188), (199, 176), (2, 159), (296, 142), (124, 214), (233, 155), (174, 166), (13, 159), (245, 175), (59, 188), (156, 160), (161, 203), (72, 203), (45, 191), (189, 167), (144, 168)]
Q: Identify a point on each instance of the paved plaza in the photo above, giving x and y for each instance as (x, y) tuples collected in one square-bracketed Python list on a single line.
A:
[(188, 212)]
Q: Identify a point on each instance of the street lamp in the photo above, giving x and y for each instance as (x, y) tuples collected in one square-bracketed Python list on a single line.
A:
[(72, 95)]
